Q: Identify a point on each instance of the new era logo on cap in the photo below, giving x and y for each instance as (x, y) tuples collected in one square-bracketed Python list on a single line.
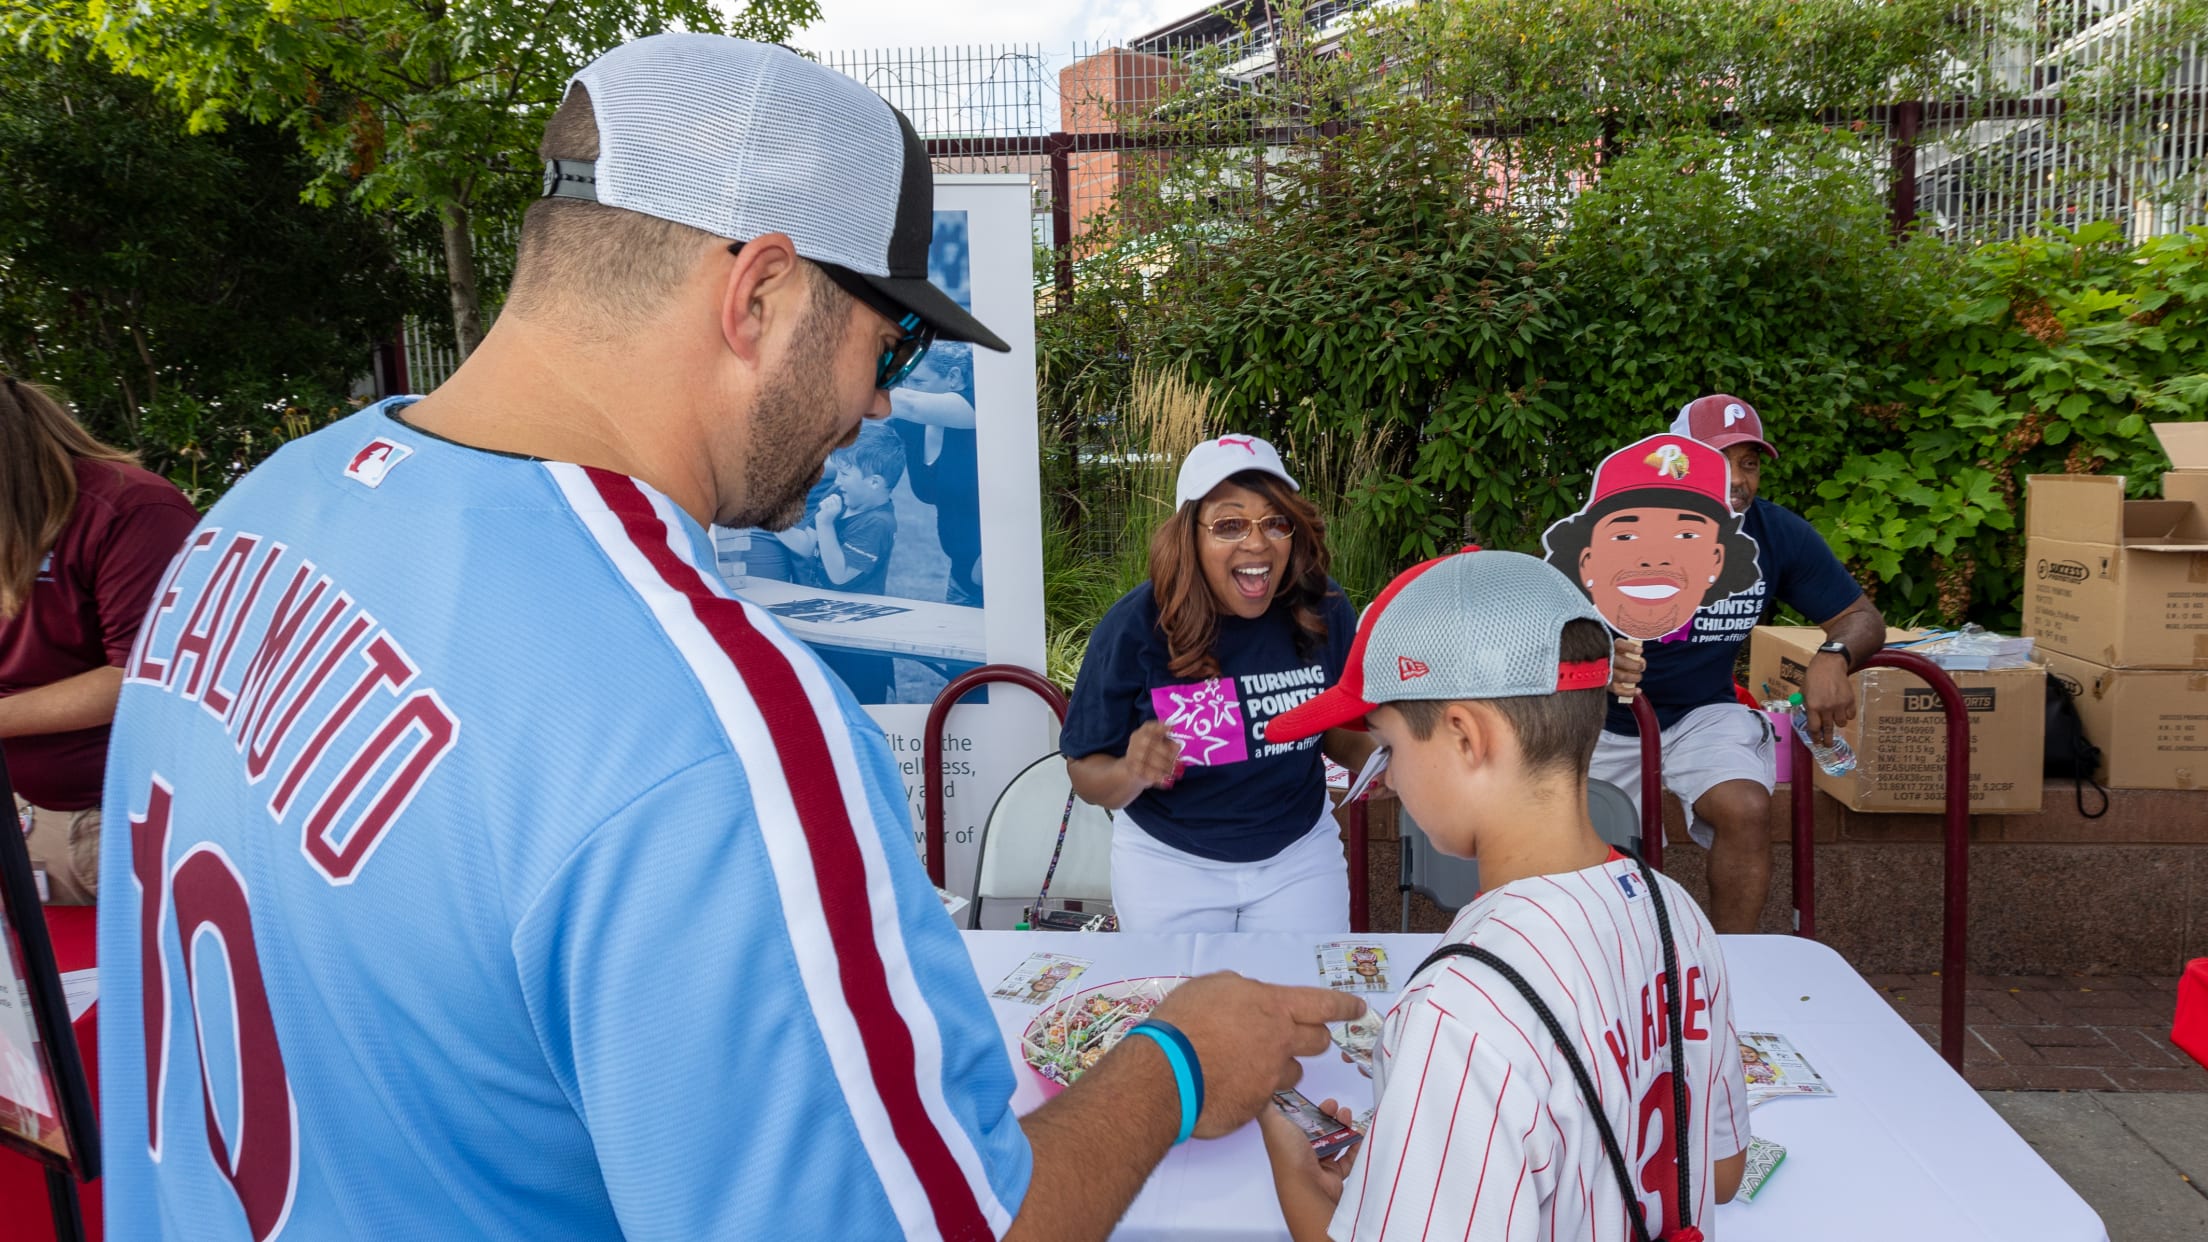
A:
[(1407, 668)]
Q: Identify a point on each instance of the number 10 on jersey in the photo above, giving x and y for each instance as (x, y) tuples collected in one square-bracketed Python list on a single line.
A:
[(257, 1151)]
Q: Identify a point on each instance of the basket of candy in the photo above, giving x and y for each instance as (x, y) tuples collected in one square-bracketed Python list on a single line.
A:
[(1067, 1038)]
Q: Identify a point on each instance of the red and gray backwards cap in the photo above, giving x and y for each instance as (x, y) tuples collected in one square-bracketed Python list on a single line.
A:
[(1473, 625)]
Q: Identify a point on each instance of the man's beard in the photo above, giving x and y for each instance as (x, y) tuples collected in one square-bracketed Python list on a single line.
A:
[(793, 408)]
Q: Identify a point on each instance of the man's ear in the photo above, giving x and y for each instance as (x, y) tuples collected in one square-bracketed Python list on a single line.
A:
[(765, 280)]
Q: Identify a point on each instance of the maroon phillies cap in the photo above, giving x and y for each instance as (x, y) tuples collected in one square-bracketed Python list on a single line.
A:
[(1721, 422), (1475, 625)]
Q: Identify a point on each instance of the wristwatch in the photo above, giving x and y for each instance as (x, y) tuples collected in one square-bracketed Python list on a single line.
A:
[(1838, 648)]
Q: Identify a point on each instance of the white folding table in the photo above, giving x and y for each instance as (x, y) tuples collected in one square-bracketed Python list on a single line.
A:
[(1904, 1149)]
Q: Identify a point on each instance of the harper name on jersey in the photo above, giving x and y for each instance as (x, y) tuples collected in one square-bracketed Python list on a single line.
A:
[(492, 872), (1480, 1130)]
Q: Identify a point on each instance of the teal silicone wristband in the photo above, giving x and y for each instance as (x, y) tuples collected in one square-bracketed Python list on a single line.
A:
[(1182, 1078)]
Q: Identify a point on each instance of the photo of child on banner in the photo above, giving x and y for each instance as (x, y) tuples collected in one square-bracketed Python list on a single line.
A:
[(1658, 541)]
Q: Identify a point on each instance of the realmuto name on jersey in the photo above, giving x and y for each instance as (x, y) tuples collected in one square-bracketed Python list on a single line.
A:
[(291, 666)]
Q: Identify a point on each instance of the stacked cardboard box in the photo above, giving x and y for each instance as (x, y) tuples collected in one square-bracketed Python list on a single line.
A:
[(2116, 591), (1900, 731)]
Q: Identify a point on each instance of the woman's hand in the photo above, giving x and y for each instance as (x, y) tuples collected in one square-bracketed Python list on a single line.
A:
[(1153, 758), (1152, 761), (1626, 666)]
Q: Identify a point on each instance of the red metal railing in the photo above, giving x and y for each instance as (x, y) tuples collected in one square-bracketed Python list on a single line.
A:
[(931, 745), (931, 779), (1652, 782), (1955, 908)]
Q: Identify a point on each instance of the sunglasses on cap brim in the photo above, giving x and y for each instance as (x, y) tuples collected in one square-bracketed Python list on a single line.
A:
[(899, 359)]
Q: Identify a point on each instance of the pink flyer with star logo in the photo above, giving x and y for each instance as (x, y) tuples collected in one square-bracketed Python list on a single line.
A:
[(1205, 717)]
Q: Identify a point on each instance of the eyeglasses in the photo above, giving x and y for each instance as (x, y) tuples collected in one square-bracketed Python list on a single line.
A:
[(899, 359), (1236, 529)]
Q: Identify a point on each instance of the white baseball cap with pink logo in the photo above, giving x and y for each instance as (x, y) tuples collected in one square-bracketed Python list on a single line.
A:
[(1215, 461)]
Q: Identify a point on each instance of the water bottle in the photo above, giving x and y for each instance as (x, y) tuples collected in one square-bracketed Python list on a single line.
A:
[(1837, 759)]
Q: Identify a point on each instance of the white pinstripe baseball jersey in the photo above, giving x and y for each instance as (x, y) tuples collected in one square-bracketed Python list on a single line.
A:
[(481, 868), (1480, 1132)]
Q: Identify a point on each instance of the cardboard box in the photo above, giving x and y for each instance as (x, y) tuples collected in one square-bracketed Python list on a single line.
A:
[(2151, 724), (1900, 732), (2122, 583)]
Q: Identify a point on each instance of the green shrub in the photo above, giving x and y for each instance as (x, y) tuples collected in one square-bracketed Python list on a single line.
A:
[(2053, 355)]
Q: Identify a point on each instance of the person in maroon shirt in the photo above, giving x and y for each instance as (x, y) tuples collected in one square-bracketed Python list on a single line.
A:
[(85, 536)]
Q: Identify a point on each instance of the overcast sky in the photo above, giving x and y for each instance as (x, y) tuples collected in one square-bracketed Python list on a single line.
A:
[(1056, 24)]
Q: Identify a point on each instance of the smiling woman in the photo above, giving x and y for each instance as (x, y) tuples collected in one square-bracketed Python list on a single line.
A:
[(1218, 829)]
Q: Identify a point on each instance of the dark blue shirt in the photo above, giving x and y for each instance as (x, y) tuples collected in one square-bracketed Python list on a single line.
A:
[(1799, 570), (1241, 799)]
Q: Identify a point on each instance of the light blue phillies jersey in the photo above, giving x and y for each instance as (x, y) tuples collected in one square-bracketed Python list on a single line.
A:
[(478, 867)]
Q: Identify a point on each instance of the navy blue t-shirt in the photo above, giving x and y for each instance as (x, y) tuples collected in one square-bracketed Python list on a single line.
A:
[(1241, 799), (1696, 669)]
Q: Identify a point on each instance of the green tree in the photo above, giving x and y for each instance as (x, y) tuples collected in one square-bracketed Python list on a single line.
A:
[(423, 107), (174, 285)]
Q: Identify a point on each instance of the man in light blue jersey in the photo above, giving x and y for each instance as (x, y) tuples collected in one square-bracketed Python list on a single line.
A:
[(482, 869)]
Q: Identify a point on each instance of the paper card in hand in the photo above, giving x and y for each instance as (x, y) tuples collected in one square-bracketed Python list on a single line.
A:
[(1329, 1137), (1658, 541)]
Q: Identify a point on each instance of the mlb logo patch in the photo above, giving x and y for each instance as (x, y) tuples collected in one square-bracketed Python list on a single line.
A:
[(375, 460), (1631, 886)]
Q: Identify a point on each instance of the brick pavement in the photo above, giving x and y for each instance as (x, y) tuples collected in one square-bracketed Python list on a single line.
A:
[(2057, 1033)]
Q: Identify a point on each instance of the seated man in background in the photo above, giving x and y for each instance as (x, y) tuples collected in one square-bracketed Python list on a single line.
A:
[(1718, 754)]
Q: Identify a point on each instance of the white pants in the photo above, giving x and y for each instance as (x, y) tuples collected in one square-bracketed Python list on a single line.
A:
[(1156, 888), (1709, 746)]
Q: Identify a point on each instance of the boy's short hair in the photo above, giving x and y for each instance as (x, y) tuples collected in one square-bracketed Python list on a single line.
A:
[(1556, 732), (877, 451)]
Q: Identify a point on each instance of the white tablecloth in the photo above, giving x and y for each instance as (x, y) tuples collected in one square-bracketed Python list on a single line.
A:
[(1903, 1150)]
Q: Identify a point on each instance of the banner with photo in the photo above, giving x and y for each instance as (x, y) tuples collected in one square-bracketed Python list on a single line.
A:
[(919, 555)]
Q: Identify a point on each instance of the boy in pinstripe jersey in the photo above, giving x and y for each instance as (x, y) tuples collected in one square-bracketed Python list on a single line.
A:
[(1482, 674)]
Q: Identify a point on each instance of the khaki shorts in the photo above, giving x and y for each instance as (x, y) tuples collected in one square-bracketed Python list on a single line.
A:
[(66, 846), (1709, 746)]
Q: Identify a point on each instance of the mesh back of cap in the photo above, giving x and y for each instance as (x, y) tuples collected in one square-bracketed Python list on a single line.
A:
[(740, 139)]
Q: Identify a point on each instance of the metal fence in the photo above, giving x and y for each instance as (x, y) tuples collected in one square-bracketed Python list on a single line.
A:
[(2027, 152)]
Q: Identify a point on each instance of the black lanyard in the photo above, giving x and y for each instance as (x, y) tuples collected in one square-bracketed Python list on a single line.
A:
[(1680, 1120)]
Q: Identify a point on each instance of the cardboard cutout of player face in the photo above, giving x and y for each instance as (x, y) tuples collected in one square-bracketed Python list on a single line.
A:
[(1658, 540)]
